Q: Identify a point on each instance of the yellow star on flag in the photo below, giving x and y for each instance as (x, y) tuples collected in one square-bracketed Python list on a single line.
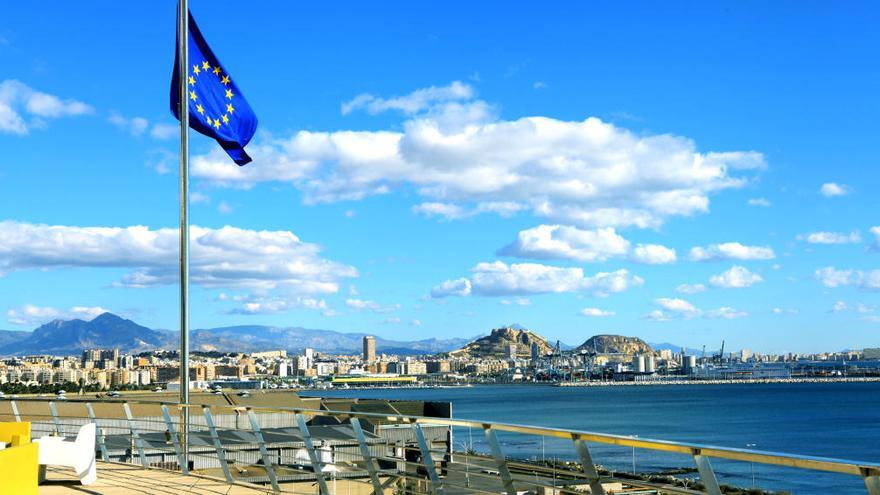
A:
[(192, 95), (225, 80), (206, 65), (200, 108), (216, 123), (216, 71), (196, 69), (192, 81), (229, 108), (225, 119), (229, 93)]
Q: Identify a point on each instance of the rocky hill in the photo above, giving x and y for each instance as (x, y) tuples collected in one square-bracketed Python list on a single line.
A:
[(497, 344), (616, 344)]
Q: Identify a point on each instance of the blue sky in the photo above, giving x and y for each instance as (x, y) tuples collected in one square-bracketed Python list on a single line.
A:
[(687, 173)]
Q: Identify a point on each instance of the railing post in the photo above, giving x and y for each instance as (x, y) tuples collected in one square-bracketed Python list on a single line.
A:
[(270, 469), (134, 434), (99, 433), (15, 411), (588, 466), (500, 460), (707, 475), (54, 411), (872, 481), (428, 460), (221, 455), (368, 459), (175, 440), (317, 466)]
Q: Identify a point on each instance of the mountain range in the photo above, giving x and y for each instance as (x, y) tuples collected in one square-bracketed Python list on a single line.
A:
[(70, 337)]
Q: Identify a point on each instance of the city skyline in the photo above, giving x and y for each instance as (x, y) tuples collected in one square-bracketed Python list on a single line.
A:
[(427, 182)]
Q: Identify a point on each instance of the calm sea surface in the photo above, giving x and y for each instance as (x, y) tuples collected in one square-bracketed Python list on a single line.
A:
[(830, 420)]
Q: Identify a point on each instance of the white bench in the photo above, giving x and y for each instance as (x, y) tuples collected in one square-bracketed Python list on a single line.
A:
[(78, 454)]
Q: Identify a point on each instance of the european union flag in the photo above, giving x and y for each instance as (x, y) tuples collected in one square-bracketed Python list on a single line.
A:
[(217, 108)]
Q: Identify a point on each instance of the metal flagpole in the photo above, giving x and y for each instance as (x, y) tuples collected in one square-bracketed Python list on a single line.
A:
[(183, 112)]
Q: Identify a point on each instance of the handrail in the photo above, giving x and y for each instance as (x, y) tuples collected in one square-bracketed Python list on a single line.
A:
[(851, 467)]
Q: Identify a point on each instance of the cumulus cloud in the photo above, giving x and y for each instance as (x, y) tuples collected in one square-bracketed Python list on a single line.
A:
[(138, 126), (30, 314), (832, 189), (517, 301), (867, 280), (366, 305), (572, 243), (227, 257), (459, 158), (501, 279), (726, 313), (672, 308), (875, 231), (690, 288), (731, 251), (860, 308), (831, 237), (596, 312), (736, 277), (23, 108), (259, 305), (415, 102)]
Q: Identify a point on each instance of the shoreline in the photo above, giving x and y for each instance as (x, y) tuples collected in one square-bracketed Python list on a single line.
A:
[(750, 381)]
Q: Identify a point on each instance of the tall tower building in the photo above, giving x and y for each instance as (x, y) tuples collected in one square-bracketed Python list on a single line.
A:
[(370, 349)]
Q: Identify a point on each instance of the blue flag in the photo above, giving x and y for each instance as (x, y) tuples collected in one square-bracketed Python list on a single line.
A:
[(217, 108)]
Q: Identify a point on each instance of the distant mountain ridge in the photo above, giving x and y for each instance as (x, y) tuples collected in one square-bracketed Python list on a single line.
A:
[(70, 337), (67, 337)]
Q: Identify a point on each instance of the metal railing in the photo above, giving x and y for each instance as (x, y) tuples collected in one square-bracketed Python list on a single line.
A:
[(296, 450)]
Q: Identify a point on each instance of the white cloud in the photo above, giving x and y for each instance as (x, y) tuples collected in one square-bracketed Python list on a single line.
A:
[(726, 313), (366, 305), (391, 320), (876, 232), (572, 243), (257, 305), (759, 202), (832, 189), (450, 211), (164, 131), (782, 311), (539, 85), (501, 279), (227, 257), (137, 126), (672, 308), (831, 237), (35, 315), (415, 102), (458, 287), (653, 254), (415, 323), (596, 312), (868, 280), (735, 278), (731, 251), (585, 173), (690, 288), (861, 308), (18, 102), (224, 208), (199, 198), (517, 301)]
